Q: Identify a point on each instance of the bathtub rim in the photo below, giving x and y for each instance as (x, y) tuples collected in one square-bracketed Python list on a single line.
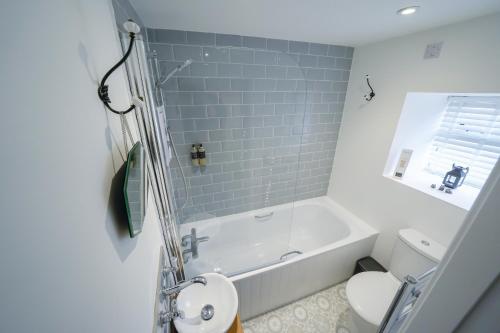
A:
[(358, 230)]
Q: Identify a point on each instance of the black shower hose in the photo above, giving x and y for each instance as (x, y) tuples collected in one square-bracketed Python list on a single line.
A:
[(102, 91)]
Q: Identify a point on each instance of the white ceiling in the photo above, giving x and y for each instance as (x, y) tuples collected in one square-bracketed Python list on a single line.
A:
[(344, 22)]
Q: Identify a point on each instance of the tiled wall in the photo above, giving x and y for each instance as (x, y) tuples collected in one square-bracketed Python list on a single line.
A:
[(268, 112)]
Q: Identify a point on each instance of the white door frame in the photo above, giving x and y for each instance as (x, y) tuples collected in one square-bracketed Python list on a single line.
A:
[(470, 265)]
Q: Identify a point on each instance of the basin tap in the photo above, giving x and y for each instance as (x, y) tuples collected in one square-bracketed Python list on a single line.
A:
[(177, 288)]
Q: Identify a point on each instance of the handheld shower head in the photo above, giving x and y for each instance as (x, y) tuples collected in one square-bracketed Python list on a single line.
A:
[(178, 68), (185, 64)]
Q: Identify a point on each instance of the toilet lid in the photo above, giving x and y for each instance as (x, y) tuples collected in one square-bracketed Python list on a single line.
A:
[(370, 294)]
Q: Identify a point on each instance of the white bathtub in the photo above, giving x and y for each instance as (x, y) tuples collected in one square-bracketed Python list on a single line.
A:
[(250, 251)]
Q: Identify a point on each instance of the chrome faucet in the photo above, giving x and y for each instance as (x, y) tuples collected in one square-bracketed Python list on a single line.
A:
[(177, 288), (193, 242)]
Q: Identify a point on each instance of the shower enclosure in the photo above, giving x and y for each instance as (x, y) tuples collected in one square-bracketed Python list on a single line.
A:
[(267, 113)]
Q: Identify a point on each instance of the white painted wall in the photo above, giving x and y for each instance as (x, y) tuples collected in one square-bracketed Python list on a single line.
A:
[(67, 264), (469, 62)]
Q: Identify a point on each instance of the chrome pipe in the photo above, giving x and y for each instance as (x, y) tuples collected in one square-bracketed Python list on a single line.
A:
[(149, 132)]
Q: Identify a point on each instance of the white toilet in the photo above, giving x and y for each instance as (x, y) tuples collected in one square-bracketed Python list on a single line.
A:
[(370, 293)]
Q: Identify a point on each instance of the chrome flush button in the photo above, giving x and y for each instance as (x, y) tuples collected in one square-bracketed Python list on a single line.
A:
[(425, 243)]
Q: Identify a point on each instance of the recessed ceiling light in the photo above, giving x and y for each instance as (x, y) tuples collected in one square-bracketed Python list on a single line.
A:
[(408, 10)]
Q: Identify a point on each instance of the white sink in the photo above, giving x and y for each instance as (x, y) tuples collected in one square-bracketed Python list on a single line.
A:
[(220, 293)]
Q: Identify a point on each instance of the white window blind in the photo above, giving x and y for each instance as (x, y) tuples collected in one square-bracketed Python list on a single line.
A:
[(469, 136)]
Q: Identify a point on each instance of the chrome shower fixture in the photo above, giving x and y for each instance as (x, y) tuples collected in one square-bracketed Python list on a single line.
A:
[(162, 80)]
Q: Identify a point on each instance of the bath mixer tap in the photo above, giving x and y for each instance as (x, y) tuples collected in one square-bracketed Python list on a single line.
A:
[(193, 242), (177, 288)]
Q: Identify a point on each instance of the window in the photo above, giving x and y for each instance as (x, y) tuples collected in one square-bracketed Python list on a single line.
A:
[(468, 135)]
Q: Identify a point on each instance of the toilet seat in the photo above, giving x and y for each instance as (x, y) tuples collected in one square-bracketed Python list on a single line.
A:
[(370, 294)]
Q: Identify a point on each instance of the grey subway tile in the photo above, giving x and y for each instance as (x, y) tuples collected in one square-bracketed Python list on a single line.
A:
[(217, 84), (207, 124), (241, 84), (188, 112), (203, 69), (285, 59), (263, 109), (184, 52), (215, 54), (264, 84), (349, 52), (286, 85), (299, 47), (218, 111), (200, 38), (275, 97), (228, 40), (229, 70), (170, 36), (202, 98), (295, 73), (337, 51), (230, 98), (173, 112), (254, 71), (273, 121), (179, 98), (264, 132), (241, 56), (275, 72), (195, 136), (277, 45), (343, 63), (339, 86), (253, 97), (230, 123), (181, 125), (333, 75), (163, 51), (326, 62), (221, 135), (318, 49), (241, 110), (266, 58), (254, 42), (191, 84), (244, 133), (308, 61)]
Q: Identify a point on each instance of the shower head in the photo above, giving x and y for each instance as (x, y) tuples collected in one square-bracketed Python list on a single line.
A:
[(185, 64), (178, 68)]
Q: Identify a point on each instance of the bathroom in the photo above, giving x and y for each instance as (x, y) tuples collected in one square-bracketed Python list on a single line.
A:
[(301, 166)]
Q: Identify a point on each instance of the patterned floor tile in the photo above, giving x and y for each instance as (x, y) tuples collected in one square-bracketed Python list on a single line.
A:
[(324, 312)]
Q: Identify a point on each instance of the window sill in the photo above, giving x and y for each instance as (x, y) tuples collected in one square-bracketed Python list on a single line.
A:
[(462, 197)]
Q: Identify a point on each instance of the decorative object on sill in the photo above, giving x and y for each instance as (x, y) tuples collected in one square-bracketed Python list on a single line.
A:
[(134, 189), (404, 160), (194, 156), (442, 188), (455, 177), (202, 156), (369, 96), (102, 91)]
